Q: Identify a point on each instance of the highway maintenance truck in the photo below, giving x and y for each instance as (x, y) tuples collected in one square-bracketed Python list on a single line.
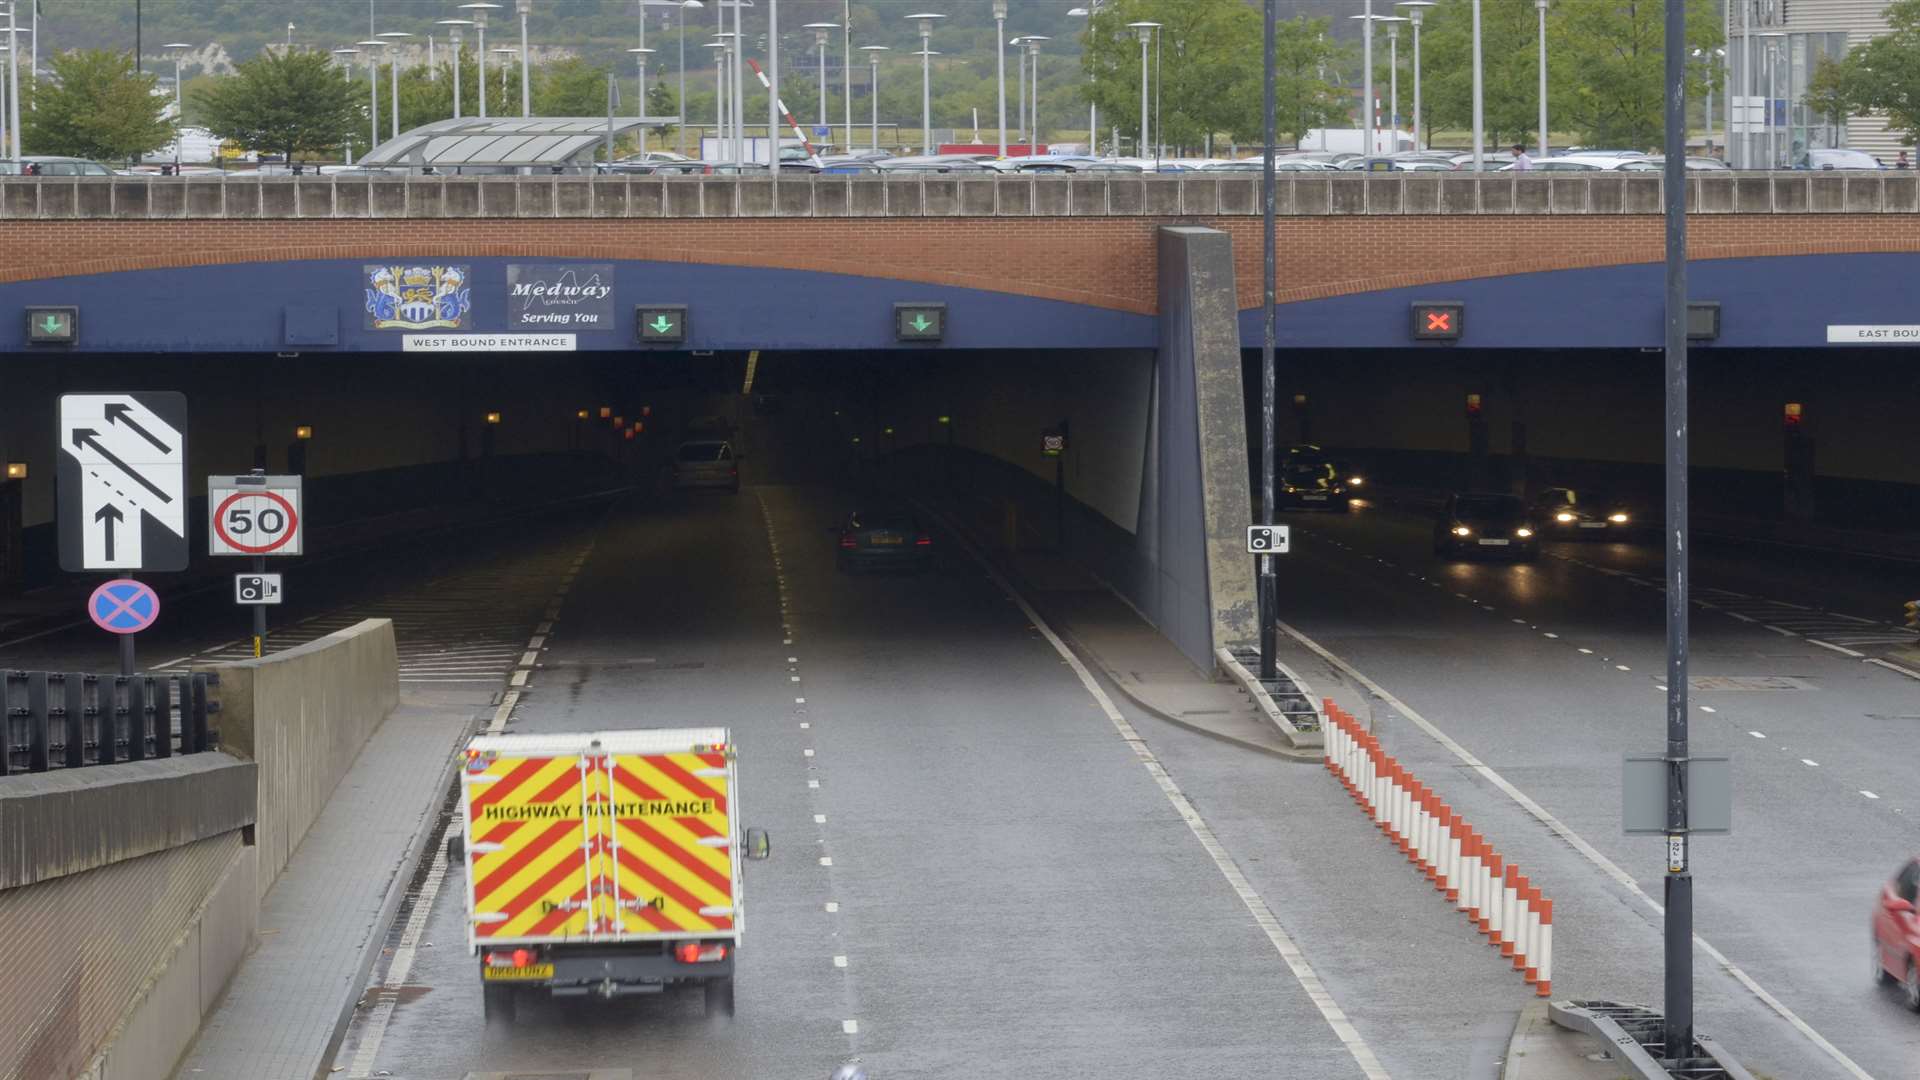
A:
[(603, 864)]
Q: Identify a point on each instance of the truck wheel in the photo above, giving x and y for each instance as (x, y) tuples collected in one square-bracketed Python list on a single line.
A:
[(497, 1003), (720, 996)]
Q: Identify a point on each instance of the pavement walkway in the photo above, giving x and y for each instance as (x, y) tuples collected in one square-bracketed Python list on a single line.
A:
[(322, 923)]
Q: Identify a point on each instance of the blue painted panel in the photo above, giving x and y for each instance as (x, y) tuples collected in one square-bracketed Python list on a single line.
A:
[(1775, 302), (242, 308)]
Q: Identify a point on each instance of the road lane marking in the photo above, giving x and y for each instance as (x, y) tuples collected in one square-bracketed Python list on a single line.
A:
[(1578, 843), (1810, 763), (832, 907), (1908, 672), (851, 1027), (1757, 734), (1842, 650), (401, 965), (826, 860), (839, 961), (1623, 667), (1290, 952), (1708, 708), (1782, 631), (1588, 652), (1868, 794)]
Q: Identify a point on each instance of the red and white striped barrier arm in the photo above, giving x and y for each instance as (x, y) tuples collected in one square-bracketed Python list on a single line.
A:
[(1515, 916), (785, 114)]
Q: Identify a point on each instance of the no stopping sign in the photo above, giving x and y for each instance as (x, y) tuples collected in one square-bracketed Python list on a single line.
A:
[(254, 519)]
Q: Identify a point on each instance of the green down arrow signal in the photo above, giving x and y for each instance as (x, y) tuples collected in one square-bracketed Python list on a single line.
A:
[(661, 325), (921, 323), (52, 325)]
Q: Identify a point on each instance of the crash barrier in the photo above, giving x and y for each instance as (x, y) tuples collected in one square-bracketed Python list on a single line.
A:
[(303, 715), (1496, 896), (66, 720)]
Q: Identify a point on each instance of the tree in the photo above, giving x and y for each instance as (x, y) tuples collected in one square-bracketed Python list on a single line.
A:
[(1209, 67), (1511, 80), (1607, 60), (661, 101), (570, 87), (96, 106), (1882, 75), (286, 103), (1306, 62)]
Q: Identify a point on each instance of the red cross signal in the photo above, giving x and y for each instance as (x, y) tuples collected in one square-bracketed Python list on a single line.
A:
[(1438, 321)]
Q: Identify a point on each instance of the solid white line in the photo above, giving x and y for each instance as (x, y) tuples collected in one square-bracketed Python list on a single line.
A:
[(1263, 916), (1742, 618), (365, 1056), (1908, 672), (1592, 854), (1836, 648), (499, 722), (1782, 631)]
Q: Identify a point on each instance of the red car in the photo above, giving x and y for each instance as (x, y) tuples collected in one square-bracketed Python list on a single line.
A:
[(1896, 934)]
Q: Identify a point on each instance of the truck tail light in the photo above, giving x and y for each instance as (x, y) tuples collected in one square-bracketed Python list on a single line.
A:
[(699, 952), (923, 541), (516, 958)]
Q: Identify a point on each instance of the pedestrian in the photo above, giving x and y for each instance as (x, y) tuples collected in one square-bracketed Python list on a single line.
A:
[(1521, 162), (1901, 161)]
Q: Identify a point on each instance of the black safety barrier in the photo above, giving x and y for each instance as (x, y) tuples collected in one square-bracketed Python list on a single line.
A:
[(68, 720)]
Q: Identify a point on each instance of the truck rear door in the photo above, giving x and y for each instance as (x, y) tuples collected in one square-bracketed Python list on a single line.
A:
[(529, 845), (671, 830)]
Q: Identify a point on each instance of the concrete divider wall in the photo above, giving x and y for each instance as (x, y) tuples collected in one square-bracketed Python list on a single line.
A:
[(303, 716)]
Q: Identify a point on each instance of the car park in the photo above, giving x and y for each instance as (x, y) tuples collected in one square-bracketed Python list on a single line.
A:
[(708, 465), (1832, 158), (53, 166), (1896, 934), (883, 536), (1485, 523)]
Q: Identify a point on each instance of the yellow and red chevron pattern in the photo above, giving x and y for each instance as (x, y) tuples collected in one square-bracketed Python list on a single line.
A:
[(527, 821), (670, 855)]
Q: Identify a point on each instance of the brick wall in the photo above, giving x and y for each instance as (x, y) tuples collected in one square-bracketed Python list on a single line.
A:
[(1103, 262)]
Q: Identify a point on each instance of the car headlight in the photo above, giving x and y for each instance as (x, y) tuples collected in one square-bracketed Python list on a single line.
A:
[(1617, 519), (1462, 530), (1563, 516), (1290, 489), (1355, 481), (1523, 533)]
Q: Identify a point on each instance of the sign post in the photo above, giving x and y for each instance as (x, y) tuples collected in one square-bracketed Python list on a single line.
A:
[(125, 607), (256, 515), (1053, 443)]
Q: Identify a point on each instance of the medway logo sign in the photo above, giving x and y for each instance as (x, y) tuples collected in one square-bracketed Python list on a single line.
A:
[(577, 296)]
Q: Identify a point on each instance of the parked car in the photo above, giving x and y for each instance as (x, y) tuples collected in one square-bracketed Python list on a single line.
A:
[(1836, 158), (1896, 934), (53, 166), (1476, 523)]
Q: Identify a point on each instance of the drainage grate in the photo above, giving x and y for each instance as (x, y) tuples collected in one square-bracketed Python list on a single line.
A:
[(1749, 682), (1286, 696)]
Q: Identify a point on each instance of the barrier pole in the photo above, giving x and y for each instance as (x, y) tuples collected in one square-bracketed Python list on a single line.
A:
[(1544, 963)]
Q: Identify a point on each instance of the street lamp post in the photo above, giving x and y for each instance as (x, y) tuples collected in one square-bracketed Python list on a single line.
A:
[(506, 54), (1393, 78), (682, 110), (873, 91), (1000, 66), (719, 92), (453, 38), (1775, 40), (1093, 109), (179, 48), (846, 68), (344, 55), (480, 9), (1366, 81), (1479, 102), (1416, 14), (1145, 30), (820, 42), (525, 8), (1020, 87), (1540, 7), (1033, 128), (640, 109), (373, 87), (393, 72), (926, 54)]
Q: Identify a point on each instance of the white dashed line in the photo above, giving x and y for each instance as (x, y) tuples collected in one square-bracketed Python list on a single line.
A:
[(1588, 652), (1545, 634), (1842, 650), (1908, 672), (819, 819), (1782, 631), (1758, 734), (804, 725), (839, 961), (813, 783), (826, 860), (808, 751), (1742, 618), (1868, 794), (1810, 763), (1622, 667), (832, 907), (851, 1027), (799, 701)]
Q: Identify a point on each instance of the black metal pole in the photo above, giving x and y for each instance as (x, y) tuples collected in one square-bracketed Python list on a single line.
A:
[(126, 654), (137, 69), (1679, 881), (260, 611), (1269, 590)]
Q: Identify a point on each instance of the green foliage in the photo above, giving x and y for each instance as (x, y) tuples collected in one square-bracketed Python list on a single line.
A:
[(285, 103), (1208, 67), (1508, 36), (96, 106), (1611, 87), (570, 87), (1306, 61), (1881, 75), (662, 101)]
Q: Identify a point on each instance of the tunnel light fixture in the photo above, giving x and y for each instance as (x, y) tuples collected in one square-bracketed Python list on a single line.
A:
[(581, 415), (1299, 401), (946, 420), (646, 410), (619, 421), (1617, 519), (16, 470), (303, 432), (606, 411), (753, 365), (493, 418)]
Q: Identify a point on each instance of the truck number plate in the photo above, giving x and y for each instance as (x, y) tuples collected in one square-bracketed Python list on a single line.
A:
[(531, 971)]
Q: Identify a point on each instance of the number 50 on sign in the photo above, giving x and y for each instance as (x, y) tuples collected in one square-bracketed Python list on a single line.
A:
[(254, 515)]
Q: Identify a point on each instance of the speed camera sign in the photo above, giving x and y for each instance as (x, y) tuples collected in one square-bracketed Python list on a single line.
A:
[(1267, 539), (254, 515)]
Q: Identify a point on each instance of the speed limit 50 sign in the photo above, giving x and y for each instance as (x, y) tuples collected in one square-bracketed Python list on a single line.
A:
[(254, 515)]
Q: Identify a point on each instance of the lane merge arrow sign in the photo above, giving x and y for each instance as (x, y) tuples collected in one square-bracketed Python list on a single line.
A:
[(122, 481), (661, 324), (52, 325), (919, 322)]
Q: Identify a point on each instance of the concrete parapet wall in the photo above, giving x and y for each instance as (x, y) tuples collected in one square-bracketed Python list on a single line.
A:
[(1151, 196), (303, 716)]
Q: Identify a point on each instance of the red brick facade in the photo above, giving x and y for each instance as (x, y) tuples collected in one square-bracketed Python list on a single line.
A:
[(1105, 262)]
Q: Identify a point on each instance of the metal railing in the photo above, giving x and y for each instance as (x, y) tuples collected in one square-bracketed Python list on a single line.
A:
[(69, 720)]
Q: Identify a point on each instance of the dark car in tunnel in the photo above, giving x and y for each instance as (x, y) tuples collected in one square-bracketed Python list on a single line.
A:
[(1312, 483), (1476, 523), (883, 536), (1565, 513)]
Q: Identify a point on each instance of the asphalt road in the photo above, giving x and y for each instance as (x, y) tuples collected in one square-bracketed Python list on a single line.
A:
[(1549, 672)]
